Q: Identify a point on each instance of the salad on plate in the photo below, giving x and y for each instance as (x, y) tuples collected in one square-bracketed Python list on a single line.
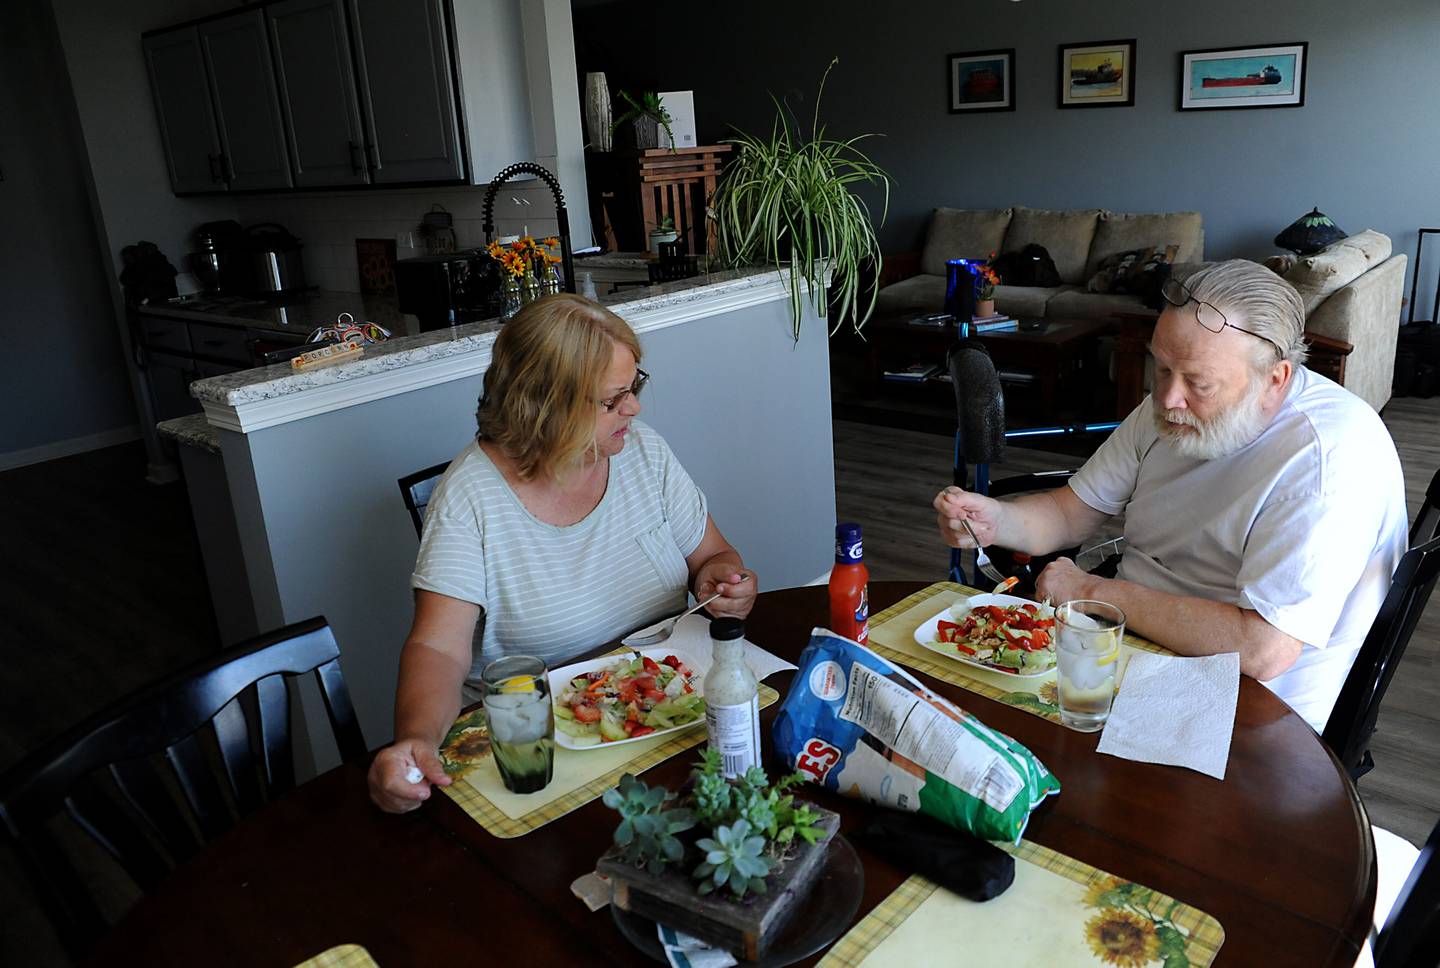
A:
[(998, 632), (628, 697)]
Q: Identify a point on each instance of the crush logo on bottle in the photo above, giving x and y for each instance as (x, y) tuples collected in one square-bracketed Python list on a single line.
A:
[(853, 551)]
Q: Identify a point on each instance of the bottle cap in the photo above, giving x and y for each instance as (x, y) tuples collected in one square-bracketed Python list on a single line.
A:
[(726, 629), (849, 547)]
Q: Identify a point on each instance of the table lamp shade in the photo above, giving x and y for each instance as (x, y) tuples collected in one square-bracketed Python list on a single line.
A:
[(1309, 233)]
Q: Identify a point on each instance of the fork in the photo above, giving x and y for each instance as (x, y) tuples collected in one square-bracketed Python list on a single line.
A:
[(982, 560), (665, 631)]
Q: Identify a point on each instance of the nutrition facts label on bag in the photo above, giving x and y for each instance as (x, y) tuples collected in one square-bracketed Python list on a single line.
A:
[(919, 731)]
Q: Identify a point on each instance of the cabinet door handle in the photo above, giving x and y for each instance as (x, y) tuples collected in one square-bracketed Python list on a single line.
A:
[(357, 160), (214, 160)]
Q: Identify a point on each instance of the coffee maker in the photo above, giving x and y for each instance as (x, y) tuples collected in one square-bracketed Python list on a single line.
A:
[(221, 260)]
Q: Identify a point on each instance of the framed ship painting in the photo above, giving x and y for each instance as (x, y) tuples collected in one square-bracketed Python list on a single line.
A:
[(1100, 74), (981, 80), (1243, 77)]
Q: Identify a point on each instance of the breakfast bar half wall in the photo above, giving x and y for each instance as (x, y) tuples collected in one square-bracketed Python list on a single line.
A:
[(295, 490)]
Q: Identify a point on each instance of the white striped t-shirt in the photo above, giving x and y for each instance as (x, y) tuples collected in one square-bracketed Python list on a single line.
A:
[(556, 592)]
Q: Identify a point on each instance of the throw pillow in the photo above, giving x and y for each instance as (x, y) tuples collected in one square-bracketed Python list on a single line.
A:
[(956, 233), (1133, 272)]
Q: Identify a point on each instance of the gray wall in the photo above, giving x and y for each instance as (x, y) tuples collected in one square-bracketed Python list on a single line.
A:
[(324, 530), (61, 371), (1364, 147)]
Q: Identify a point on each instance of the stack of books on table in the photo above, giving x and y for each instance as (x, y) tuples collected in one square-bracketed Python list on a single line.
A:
[(994, 323), (914, 373)]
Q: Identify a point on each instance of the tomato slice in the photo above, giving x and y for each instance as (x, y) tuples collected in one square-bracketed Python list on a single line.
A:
[(651, 666), (586, 713), (642, 731)]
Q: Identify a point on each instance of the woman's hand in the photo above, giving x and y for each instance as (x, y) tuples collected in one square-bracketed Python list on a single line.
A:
[(391, 771), (737, 588)]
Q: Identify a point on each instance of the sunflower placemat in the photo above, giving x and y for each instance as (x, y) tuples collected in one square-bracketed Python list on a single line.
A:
[(892, 634), (1058, 912), (341, 956), (579, 777)]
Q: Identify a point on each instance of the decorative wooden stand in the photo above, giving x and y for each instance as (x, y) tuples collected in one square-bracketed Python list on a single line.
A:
[(746, 927), (637, 188)]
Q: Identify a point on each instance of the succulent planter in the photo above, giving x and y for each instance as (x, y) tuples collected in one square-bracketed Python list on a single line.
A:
[(746, 927)]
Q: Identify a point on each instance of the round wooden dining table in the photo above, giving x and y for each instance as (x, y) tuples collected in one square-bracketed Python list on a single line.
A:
[(1280, 852)]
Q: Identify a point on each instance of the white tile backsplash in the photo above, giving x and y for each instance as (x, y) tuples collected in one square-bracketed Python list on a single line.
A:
[(328, 223)]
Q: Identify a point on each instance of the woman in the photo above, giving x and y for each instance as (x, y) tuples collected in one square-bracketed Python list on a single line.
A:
[(565, 524)]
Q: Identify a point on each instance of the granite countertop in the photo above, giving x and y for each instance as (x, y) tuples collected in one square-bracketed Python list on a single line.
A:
[(298, 314), (193, 430), (269, 382)]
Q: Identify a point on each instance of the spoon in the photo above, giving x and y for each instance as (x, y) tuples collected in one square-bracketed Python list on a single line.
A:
[(665, 631)]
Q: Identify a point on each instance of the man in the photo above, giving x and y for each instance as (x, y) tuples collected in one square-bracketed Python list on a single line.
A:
[(1264, 505)]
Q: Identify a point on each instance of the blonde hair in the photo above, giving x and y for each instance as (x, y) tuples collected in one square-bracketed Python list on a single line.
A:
[(1254, 297), (539, 398)]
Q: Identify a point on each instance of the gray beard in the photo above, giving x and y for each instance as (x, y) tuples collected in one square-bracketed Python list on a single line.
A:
[(1221, 435)]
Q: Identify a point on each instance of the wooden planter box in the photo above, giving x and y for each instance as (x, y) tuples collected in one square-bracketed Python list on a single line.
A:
[(745, 927)]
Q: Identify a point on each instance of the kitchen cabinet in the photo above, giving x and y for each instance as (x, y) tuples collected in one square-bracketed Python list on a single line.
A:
[(182, 107), (173, 353), (407, 90), (247, 108), (317, 92)]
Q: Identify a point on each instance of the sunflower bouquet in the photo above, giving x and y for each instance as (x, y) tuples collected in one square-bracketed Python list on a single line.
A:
[(525, 256), (986, 279)]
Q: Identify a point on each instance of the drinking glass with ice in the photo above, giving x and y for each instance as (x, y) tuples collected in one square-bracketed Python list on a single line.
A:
[(1086, 651), (521, 721)]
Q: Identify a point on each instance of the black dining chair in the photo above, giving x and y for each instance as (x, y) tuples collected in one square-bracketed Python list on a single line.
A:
[(161, 774), (1427, 519), (1410, 937), (416, 489), (1352, 722)]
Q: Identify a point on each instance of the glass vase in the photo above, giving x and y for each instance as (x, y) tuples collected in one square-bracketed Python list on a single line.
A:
[(529, 287), (550, 282), (510, 302)]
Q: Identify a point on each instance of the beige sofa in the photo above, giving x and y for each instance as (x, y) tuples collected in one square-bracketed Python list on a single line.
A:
[(1353, 292), (1078, 240)]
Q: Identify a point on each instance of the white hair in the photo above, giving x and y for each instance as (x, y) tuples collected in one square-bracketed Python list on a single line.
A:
[(1255, 299)]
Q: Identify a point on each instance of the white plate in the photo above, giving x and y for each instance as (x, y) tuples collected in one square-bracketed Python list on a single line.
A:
[(560, 678), (925, 635)]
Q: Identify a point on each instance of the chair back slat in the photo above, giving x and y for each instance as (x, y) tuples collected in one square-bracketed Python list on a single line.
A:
[(202, 790), (1427, 521), (337, 702), (415, 490), (148, 796), (121, 836), (232, 736), (144, 823), (1352, 721), (273, 719), (61, 891)]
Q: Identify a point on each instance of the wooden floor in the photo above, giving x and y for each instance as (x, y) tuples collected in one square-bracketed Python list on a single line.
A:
[(886, 478), (102, 590)]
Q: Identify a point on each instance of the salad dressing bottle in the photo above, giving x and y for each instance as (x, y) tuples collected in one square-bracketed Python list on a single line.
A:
[(732, 699)]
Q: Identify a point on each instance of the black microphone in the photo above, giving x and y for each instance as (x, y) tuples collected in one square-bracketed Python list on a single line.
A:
[(979, 402)]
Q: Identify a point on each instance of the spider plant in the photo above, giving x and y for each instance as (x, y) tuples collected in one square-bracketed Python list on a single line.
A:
[(786, 201)]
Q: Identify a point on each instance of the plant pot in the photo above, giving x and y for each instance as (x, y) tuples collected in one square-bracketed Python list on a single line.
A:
[(745, 927), (647, 132), (657, 236), (984, 307)]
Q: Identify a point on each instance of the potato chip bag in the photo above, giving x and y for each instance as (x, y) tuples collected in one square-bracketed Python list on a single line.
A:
[(859, 725)]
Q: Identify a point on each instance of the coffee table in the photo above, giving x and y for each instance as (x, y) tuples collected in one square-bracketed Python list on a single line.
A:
[(1055, 350)]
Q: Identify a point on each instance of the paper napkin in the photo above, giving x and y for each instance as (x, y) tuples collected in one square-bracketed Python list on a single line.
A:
[(684, 951), (1177, 711), (692, 636)]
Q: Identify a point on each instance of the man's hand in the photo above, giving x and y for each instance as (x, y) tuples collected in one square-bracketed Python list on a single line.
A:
[(953, 505), (390, 772), (1063, 581), (736, 588)]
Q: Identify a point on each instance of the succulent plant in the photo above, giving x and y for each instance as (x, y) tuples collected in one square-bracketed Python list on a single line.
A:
[(734, 859), (646, 834)]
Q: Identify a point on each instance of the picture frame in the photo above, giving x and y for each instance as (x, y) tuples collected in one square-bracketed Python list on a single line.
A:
[(978, 81), (1097, 74), (1216, 78)]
